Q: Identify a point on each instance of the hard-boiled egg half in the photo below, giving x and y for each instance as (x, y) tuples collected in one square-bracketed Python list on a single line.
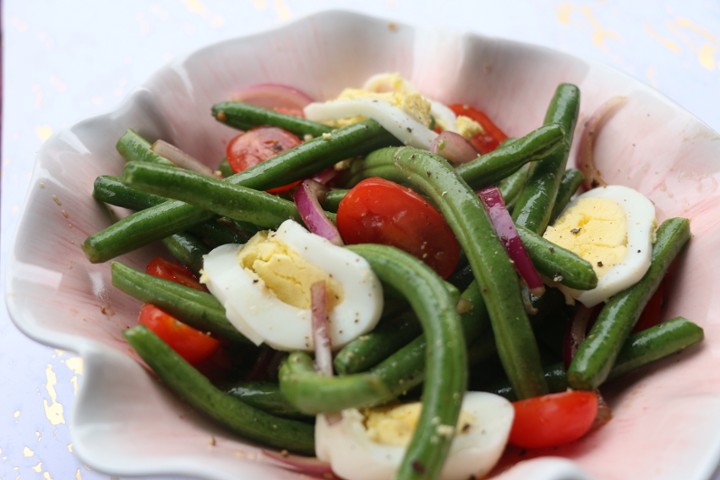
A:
[(395, 104), (613, 228), (370, 444), (264, 286)]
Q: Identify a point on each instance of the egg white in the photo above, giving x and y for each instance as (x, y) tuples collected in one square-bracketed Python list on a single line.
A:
[(640, 223), (354, 456), (259, 315)]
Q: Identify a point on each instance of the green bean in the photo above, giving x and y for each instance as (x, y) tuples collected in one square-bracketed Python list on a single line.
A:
[(490, 168), (461, 207), (198, 309), (596, 354), (265, 396), (640, 349), (134, 147), (208, 193), (533, 208), (512, 185), (373, 347), (197, 391), (557, 263), (486, 169), (332, 199), (302, 161), (445, 358), (244, 116), (569, 184), (187, 249)]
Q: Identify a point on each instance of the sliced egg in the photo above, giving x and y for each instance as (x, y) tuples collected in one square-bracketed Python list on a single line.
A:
[(394, 103), (613, 228), (370, 444), (264, 286)]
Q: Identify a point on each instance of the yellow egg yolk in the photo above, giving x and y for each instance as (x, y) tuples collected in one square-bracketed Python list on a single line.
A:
[(595, 229), (285, 272), (395, 90), (395, 425), (467, 127)]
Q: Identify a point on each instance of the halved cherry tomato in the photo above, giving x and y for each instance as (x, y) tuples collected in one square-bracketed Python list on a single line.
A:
[(257, 145), (380, 211), (483, 142), (191, 344), (553, 420), (159, 267)]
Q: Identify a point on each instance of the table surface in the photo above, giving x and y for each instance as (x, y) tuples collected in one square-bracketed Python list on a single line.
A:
[(66, 61)]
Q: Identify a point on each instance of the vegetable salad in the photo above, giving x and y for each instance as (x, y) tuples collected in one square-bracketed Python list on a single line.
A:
[(390, 283)]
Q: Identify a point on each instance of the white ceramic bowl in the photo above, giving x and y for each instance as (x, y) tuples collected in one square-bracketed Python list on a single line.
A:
[(666, 420)]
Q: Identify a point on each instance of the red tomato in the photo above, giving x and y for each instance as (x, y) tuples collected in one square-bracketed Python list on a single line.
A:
[(553, 420), (159, 267), (380, 211), (483, 142), (257, 145), (193, 345)]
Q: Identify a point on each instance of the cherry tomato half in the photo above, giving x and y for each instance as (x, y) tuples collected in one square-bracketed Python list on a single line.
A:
[(191, 344), (483, 142), (159, 267), (257, 145), (380, 211), (553, 420)]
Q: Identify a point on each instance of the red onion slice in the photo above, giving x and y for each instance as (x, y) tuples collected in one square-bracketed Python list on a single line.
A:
[(505, 228), (576, 332), (306, 465), (273, 95), (321, 328), (453, 147), (307, 199), (179, 157), (585, 158)]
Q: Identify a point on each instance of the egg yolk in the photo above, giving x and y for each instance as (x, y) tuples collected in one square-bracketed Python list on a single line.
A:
[(395, 425), (285, 272), (467, 127), (396, 91), (595, 229)]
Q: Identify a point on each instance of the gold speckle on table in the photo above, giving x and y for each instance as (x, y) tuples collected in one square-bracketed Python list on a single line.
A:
[(685, 33), (27, 452), (44, 132), (584, 17), (54, 410)]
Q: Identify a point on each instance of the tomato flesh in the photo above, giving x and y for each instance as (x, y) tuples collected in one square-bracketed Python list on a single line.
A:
[(380, 211), (161, 268), (258, 145), (554, 419), (493, 135), (191, 344)]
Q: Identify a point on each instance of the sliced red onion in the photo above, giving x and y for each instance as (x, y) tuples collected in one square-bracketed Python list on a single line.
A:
[(179, 157), (306, 465), (576, 332), (505, 228), (307, 199), (321, 328), (585, 158), (273, 95), (453, 147)]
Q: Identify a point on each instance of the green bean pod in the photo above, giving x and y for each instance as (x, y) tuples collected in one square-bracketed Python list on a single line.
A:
[(211, 194), (198, 309), (640, 349), (596, 355), (135, 148), (433, 176), (300, 162), (557, 263), (570, 182), (244, 116), (187, 249), (201, 394), (534, 206), (267, 397)]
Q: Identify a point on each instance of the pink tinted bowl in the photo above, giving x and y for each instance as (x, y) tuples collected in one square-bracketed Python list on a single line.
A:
[(666, 418)]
